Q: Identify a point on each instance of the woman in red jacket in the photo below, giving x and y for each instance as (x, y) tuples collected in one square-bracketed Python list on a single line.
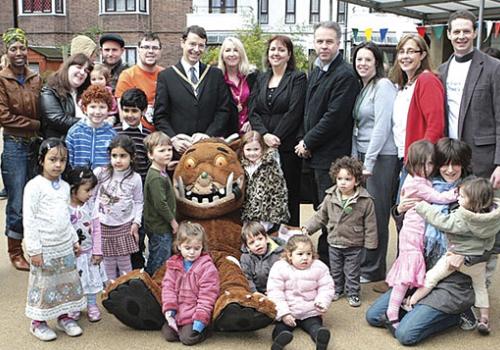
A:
[(190, 287), (418, 111)]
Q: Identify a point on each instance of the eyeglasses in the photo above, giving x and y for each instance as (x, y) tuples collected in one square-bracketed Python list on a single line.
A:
[(147, 48), (409, 52)]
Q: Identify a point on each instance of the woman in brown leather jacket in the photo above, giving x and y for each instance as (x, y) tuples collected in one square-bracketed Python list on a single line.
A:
[(19, 91)]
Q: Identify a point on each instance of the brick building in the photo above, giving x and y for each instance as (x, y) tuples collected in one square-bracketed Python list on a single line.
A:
[(53, 23)]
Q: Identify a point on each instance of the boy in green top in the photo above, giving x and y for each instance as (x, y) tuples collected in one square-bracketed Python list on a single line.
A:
[(159, 201)]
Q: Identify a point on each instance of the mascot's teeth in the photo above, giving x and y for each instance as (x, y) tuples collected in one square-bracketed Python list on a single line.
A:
[(180, 187), (194, 199), (205, 200), (229, 183), (189, 193), (215, 198), (222, 191)]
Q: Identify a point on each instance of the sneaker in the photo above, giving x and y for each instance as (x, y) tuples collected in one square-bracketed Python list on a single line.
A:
[(42, 331), (483, 327), (337, 296), (322, 338), (282, 340), (354, 300), (75, 315), (93, 313), (468, 320), (69, 326), (364, 280)]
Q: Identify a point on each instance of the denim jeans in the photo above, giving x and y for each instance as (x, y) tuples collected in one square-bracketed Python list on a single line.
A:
[(16, 171), (416, 325), (160, 249)]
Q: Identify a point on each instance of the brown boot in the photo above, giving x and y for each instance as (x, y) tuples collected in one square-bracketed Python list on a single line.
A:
[(380, 287), (16, 255)]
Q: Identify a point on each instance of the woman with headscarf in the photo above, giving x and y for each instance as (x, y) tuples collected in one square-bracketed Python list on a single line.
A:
[(19, 92)]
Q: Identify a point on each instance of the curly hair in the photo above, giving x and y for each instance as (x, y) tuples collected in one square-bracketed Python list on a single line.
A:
[(352, 165), (293, 243), (96, 93)]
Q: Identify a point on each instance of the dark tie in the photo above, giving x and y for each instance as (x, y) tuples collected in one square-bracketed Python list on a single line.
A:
[(194, 78)]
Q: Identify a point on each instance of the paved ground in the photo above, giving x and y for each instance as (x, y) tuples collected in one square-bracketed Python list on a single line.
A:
[(349, 328)]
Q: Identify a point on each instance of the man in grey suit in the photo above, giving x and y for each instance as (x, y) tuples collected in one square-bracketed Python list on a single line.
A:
[(472, 81)]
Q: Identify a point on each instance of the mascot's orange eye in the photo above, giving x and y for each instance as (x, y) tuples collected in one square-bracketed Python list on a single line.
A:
[(220, 161), (190, 163)]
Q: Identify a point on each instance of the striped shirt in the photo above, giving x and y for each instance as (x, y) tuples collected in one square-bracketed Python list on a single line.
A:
[(88, 146), (137, 134)]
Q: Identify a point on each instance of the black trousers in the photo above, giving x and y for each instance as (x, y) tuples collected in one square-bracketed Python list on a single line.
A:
[(323, 182), (291, 165), (310, 325)]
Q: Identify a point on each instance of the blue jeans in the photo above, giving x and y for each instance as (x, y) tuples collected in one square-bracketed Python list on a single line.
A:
[(16, 171), (415, 326), (160, 249)]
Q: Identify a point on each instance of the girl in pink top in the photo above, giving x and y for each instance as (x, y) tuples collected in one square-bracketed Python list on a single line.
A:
[(89, 263), (190, 287), (302, 289), (408, 271)]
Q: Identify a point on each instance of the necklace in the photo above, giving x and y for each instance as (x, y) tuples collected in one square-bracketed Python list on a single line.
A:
[(56, 184)]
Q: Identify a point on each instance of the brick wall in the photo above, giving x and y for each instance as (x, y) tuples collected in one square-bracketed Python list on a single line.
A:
[(166, 17)]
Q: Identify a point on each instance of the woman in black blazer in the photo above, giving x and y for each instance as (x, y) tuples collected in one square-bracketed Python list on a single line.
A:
[(277, 112), (240, 77)]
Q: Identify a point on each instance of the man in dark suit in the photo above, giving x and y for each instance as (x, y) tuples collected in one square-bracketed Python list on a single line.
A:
[(331, 93), (472, 81), (192, 100)]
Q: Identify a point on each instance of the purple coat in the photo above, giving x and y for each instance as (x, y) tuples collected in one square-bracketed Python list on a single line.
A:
[(191, 294)]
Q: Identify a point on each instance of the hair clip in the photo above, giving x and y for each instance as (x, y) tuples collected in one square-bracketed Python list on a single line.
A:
[(81, 174)]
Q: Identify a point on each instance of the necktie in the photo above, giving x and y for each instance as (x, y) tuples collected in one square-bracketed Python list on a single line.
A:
[(194, 78)]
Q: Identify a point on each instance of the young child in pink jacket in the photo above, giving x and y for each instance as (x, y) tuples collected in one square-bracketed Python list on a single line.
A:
[(302, 288), (190, 287)]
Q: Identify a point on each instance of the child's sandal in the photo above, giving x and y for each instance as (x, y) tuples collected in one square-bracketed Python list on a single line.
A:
[(483, 327)]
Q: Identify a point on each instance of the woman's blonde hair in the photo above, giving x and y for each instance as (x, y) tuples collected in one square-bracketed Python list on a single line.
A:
[(243, 67), (190, 231), (293, 244), (397, 75)]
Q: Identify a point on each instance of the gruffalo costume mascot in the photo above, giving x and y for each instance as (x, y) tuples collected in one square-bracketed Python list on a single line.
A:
[(208, 184)]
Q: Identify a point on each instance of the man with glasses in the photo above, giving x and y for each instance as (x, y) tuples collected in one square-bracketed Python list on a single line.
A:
[(192, 100), (144, 74), (112, 48)]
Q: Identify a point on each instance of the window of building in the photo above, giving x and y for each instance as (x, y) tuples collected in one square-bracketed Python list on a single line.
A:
[(290, 12), (222, 6), (130, 56), (42, 6), (341, 12), (314, 11), (134, 6), (263, 11)]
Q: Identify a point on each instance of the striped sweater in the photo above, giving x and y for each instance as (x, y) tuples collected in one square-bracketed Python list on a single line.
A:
[(88, 146), (141, 155)]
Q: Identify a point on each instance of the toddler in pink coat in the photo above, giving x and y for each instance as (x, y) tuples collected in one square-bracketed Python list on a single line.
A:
[(190, 287), (302, 288)]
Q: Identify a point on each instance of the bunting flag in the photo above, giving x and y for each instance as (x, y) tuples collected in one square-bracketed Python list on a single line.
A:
[(368, 34), (489, 27), (355, 33), (421, 31), (383, 34), (438, 31), (497, 29)]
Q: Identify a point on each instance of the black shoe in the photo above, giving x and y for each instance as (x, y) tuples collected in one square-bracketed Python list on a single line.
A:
[(322, 338), (389, 324), (282, 340)]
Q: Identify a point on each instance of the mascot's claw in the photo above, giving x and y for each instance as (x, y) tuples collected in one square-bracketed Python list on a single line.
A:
[(237, 318)]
